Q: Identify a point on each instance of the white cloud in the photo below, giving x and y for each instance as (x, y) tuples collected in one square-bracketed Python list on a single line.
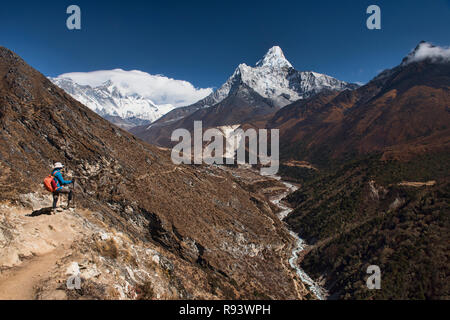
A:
[(426, 50), (160, 89)]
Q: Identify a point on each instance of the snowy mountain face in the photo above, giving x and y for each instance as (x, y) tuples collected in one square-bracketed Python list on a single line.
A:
[(274, 78), (125, 110), (129, 98), (423, 51)]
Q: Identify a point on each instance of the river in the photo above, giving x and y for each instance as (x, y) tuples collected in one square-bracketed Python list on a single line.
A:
[(315, 288)]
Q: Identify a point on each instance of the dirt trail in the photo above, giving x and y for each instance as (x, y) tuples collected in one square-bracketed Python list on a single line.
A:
[(417, 184), (31, 251), (19, 283)]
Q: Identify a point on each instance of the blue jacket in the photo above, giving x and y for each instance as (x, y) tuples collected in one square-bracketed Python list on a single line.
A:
[(59, 179)]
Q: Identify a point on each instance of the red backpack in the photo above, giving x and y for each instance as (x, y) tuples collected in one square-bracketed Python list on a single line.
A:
[(50, 183)]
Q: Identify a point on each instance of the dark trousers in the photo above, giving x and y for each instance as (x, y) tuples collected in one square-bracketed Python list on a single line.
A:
[(63, 190)]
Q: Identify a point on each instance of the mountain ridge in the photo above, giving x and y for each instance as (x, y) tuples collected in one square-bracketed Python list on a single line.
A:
[(372, 117), (273, 79)]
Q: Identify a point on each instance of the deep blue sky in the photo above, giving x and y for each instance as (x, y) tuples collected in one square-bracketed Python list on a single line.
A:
[(204, 41)]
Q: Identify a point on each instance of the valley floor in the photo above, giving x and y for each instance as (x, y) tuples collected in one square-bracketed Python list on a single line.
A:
[(276, 194)]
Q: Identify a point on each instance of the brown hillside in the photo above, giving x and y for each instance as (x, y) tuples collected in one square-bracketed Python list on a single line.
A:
[(229, 237), (401, 113)]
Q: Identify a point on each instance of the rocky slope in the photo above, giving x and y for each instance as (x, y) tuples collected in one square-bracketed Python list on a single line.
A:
[(207, 234)]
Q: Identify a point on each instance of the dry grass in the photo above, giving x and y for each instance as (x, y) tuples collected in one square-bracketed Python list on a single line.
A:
[(108, 248), (128, 258), (145, 291)]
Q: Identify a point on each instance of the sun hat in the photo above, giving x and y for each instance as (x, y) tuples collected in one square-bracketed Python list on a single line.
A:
[(58, 165)]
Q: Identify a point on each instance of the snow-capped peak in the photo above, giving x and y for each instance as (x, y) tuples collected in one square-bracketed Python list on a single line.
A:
[(428, 51), (274, 58), (274, 78), (134, 95)]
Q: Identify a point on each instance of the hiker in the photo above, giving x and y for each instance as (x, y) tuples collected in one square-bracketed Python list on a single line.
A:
[(61, 185)]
